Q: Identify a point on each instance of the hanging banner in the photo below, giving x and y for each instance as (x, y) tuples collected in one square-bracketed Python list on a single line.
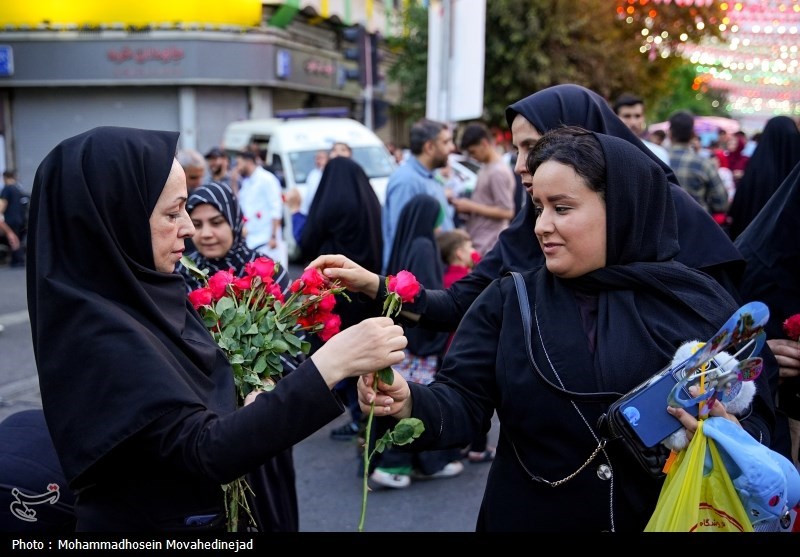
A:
[(56, 13)]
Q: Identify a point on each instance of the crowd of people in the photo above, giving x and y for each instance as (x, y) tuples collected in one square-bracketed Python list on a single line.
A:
[(625, 249)]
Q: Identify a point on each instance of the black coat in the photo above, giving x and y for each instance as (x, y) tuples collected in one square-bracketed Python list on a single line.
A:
[(645, 305), (139, 399)]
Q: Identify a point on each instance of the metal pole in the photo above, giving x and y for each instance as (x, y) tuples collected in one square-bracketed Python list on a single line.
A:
[(369, 70), (444, 82)]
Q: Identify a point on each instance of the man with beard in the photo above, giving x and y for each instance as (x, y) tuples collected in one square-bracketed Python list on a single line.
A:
[(431, 142)]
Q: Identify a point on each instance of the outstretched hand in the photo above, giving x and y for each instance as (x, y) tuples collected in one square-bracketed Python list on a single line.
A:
[(372, 344), (352, 275)]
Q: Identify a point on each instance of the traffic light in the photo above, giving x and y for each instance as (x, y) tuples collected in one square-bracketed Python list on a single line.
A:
[(357, 36), (375, 60)]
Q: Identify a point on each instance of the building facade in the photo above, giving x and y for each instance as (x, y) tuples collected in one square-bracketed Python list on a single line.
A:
[(56, 82)]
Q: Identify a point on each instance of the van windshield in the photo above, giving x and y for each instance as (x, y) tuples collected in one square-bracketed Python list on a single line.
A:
[(375, 160)]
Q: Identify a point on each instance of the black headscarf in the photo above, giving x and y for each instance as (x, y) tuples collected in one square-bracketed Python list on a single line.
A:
[(221, 197), (704, 245), (771, 246), (415, 250), (648, 302), (116, 343), (777, 153), (345, 216)]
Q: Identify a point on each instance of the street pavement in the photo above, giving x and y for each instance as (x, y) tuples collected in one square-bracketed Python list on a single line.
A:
[(329, 487)]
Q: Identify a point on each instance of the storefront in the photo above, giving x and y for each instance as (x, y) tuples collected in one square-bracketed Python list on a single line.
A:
[(57, 84)]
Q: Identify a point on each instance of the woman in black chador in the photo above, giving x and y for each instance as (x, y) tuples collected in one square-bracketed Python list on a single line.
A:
[(609, 308), (139, 400)]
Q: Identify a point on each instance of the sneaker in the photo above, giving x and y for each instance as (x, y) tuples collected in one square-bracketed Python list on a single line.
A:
[(450, 470), (379, 478), (347, 432), (479, 457)]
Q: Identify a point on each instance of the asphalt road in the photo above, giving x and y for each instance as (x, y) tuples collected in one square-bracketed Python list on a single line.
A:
[(328, 484)]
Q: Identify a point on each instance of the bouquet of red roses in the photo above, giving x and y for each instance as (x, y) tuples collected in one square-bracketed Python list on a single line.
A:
[(254, 323)]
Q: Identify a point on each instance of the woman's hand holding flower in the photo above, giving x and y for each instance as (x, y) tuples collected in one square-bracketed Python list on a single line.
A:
[(390, 400), (372, 344), (352, 275)]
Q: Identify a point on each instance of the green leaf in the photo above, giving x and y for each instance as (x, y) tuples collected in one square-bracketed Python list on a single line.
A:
[(386, 375), (384, 442), (407, 430), (261, 364), (195, 270)]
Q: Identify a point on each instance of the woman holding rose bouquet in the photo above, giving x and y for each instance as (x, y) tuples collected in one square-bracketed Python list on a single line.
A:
[(139, 399), (219, 246)]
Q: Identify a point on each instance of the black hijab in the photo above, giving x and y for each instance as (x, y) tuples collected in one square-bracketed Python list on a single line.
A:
[(777, 153), (771, 246), (415, 250), (221, 197), (705, 246), (345, 216), (416, 224), (648, 303), (116, 342)]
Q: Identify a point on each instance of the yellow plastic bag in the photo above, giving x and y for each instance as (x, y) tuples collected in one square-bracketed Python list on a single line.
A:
[(691, 501)]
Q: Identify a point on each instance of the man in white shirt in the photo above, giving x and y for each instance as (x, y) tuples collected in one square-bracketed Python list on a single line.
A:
[(262, 206)]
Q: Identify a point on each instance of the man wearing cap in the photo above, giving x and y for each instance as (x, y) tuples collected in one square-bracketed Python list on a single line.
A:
[(218, 162)]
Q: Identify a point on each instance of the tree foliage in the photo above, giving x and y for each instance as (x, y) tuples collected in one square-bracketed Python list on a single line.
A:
[(533, 44)]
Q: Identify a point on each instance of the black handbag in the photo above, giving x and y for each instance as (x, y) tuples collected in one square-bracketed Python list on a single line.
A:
[(613, 426)]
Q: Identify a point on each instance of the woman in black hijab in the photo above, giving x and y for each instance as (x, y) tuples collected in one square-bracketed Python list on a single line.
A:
[(772, 250), (415, 250), (609, 309), (776, 154), (345, 217), (139, 400)]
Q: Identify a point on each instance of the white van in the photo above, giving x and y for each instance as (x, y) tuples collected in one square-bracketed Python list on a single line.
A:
[(291, 146)]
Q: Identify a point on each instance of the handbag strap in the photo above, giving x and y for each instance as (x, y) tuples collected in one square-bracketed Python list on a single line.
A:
[(525, 311)]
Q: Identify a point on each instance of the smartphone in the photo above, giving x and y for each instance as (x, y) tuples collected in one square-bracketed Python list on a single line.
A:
[(646, 407)]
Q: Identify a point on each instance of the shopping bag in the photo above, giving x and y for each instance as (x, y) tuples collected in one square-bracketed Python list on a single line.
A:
[(698, 494)]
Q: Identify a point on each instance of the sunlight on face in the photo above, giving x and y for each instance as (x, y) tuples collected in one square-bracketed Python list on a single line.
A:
[(571, 221), (170, 224), (213, 236), (524, 136)]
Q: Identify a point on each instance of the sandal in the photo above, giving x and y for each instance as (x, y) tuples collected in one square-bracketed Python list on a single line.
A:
[(477, 458)]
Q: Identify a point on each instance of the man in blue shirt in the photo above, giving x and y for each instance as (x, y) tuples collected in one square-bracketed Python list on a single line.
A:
[(430, 142)]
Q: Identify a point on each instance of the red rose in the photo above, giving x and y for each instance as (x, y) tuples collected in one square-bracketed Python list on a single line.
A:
[(312, 281), (200, 297), (263, 267), (404, 285), (296, 286), (792, 327), (332, 323), (243, 283), (219, 282), (327, 302), (275, 291)]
